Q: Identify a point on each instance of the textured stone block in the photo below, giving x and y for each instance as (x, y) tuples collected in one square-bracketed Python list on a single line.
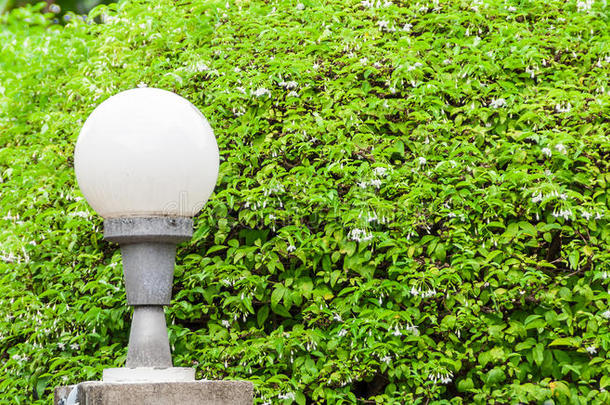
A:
[(175, 393), (61, 394)]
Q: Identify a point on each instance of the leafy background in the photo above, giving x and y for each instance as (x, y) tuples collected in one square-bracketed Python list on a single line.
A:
[(412, 204), (59, 7)]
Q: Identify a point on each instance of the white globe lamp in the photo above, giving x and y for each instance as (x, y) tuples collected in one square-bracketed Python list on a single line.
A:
[(147, 161)]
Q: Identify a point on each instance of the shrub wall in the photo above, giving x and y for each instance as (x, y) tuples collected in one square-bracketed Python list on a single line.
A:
[(412, 204)]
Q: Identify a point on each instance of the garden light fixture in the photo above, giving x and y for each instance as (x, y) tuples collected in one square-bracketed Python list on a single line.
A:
[(147, 161)]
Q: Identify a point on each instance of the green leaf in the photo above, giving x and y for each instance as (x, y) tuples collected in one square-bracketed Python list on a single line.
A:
[(604, 381), (574, 258), (277, 294), (538, 354), (262, 315), (495, 376), (528, 228), (567, 341), (281, 310), (465, 385)]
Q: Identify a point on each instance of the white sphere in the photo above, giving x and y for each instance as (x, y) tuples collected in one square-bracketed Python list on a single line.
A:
[(146, 152)]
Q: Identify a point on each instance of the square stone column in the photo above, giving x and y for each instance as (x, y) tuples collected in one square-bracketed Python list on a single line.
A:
[(159, 393)]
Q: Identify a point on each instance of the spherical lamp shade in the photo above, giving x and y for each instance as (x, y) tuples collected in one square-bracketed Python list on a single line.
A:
[(146, 152)]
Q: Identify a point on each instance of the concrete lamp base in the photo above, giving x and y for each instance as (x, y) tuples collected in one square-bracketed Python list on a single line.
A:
[(148, 374), (148, 247), (159, 393)]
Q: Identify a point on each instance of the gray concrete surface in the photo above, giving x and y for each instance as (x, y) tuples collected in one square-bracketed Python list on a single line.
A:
[(148, 229), (148, 248), (181, 393)]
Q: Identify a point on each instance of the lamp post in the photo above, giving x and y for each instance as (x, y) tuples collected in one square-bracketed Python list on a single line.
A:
[(147, 161)]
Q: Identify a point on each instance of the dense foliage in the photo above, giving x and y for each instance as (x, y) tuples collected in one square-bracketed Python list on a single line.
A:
[(55, 6), (412, 205)]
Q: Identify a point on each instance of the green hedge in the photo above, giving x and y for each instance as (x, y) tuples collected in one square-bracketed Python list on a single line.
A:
[(412, 204)]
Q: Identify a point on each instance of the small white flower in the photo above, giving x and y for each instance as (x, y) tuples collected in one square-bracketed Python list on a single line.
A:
[(584, 6), (443, 378), (497, 103), (383, 24), (74, 346), (342, 333), (300, 6), (530, 71), (337, 318), (591, 349), (82, 214), (561, 109), (360, 235), (536, 197), (565, 214), (547, 152), (141, 85), (606, 314), (289, 85), (291, 248), (18, 357), (446, 379), (364, 60), (407, 27), (560, 148), (412, 329), (61, 346), (289, 395), (201, 67), (380, 171), (421, 160), (512, 9), (261, 91), (225, 323), (293, 94), (375, 183)]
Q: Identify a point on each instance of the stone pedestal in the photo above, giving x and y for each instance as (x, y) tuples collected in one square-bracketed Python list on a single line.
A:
[(159, 393)]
